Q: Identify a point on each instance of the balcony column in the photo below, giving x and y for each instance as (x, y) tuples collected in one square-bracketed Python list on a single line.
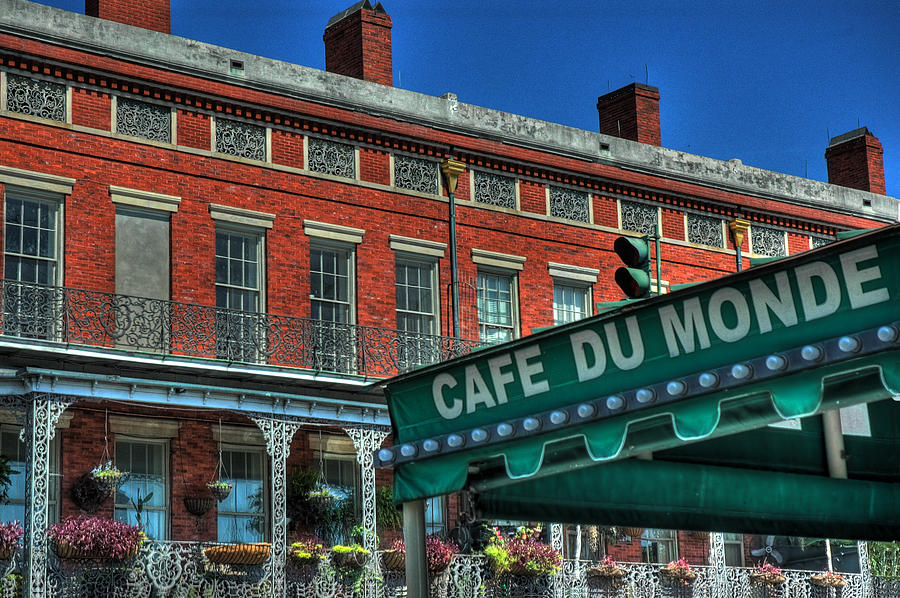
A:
[(556, 541), (717, 562), (865, 569), (367, 440), (278, 434), (42, 411)]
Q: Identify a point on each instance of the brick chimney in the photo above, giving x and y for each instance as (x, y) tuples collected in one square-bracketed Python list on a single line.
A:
[(358, 43), (149, 14), (631, 112), (855, 159)]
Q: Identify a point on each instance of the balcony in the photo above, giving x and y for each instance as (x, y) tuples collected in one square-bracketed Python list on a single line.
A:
[(91, 318), (181, 569)]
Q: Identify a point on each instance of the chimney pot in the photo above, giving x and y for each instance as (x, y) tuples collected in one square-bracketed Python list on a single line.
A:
[(358, 43), (856, 159)]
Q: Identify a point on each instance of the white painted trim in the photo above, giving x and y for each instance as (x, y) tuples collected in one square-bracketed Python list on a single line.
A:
[(144, 199), (36, 180), (417, 246), (498, 260), (333, 232), (143, 427), (569, 272), (241, 216)]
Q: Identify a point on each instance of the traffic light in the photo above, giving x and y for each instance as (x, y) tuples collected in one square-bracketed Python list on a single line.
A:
[(634, 278)]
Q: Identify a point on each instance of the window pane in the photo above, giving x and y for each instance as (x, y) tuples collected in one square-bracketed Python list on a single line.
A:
[(145, 491)]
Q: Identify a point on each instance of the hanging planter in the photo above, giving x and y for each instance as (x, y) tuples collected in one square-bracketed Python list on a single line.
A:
[(84, 537), (248, 554), (827, 579), (219, 489), (198, 506), (679, 571), (10, 535), (634, 532), (108, 477), (306, 553), (351, 557)]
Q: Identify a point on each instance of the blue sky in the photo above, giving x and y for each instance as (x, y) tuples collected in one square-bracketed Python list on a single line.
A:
[(764, 82)]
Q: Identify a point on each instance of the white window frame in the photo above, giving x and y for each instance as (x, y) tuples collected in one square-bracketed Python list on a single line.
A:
[(669, 538), (38, 196), (431, 266), (514, 326), (575, 277), (260, 241), (166, 509), (739, 542)]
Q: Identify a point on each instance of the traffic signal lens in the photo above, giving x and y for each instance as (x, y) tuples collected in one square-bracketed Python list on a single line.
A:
[(633, 252), (634, 282)]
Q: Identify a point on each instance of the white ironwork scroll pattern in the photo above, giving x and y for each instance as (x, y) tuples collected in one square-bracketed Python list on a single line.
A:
[(573, 578), (240, 139), (141, 119), (278, 434), (718, 562), (816, 242), (43, 412), (415, 174), (36, 97), (570, 204), (767, 241), (639, 218), (494, 189), (705, 230), (466, 577), (865, 570), (330, 157), (556, 542)]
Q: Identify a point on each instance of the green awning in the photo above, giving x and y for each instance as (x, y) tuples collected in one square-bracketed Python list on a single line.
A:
[(556, 418)]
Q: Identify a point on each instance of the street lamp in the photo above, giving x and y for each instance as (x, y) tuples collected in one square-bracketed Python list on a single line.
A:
[(452, 169), (739, 227)]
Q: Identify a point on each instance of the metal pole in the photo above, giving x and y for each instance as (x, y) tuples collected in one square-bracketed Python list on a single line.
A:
[(658, 266), (739, 228), (414, 539), (452, 169), (834, 453)]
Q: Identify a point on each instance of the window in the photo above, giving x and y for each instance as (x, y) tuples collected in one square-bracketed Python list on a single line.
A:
[(242, 516), (496, 307), (142, 119), (416, 312), (658, 546), (336, 456), (734, 550), (238, 291), (31, 253), (145, 493), (240, 139), (570, 303), (435, 521), (331, 302), (13, 449)]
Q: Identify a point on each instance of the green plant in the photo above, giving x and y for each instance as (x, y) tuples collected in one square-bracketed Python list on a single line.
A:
[(522, 554), (138, 503), (323, 510), (5, 478), (389, 515), (884, 558)]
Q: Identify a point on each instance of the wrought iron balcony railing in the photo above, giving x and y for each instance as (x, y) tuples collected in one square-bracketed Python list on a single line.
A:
[(77, 316)]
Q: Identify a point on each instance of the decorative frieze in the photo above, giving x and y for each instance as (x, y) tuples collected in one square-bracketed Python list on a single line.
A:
[(705, 230), (36, 97), (241, 139), (415, 174), (570, 204), (331, 157), (767, 241), (639, 218), (145, 120), (494, 189)]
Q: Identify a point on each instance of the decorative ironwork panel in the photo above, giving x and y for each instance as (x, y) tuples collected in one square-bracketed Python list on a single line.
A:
[(36, 97), (331, 157), (767, 241), (415, 174), (494, 189), (240, 139), (865, 569), (570, 204), (141, 119), (705, 230), (75, 316), (639, 217), (816, 242)]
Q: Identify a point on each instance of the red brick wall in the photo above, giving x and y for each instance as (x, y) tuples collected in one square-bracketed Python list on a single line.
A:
[(631, 112), (91, 108), (287, 148), (857, 163), (374, 166), (359, 45), (532, 197), (193, 130), (149, 14)]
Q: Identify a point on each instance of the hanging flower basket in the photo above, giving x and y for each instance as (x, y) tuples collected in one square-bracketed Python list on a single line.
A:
[(198, 506), (769, 579), (249, 554), (827, 579), (698, 535), (10, 535), (394, 560), (108, 477), (306, 553), (607, 569), (634, 532), (220, 489), (349, 557), (679, 571), (83, 537)]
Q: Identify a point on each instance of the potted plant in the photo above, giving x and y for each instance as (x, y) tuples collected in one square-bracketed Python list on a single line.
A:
[(523, 554), (438, 555), (679, 571), (220, 489), (10, 534), (246, 554), (828, 579), (767, 574), (87, 537), (608, 568), (349, 558), (108, 477), (307, 552)]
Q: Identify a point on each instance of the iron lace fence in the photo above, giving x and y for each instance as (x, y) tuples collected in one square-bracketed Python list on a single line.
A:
[(78, 316)]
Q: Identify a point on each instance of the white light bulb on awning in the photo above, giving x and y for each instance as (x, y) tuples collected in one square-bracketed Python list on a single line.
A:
[(708, 380), (676, 388), (848, 344), (811, 353), (431, 445), (776, 363), (741, 371), (645, 395), (887, 334)]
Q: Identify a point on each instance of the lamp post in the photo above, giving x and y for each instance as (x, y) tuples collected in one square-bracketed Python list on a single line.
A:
[(452, 169), (739, 227)]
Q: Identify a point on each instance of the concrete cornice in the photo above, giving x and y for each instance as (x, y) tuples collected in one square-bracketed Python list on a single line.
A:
[(172, 53)]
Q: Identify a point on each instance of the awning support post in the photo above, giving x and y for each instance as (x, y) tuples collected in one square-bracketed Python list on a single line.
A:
[(717, 561), (414, 539)]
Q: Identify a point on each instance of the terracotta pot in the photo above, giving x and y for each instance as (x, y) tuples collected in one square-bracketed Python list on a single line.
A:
[(238, 554), (198, 505), (394, 560)]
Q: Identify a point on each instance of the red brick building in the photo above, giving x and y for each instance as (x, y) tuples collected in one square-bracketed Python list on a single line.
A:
[(212, 255)]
